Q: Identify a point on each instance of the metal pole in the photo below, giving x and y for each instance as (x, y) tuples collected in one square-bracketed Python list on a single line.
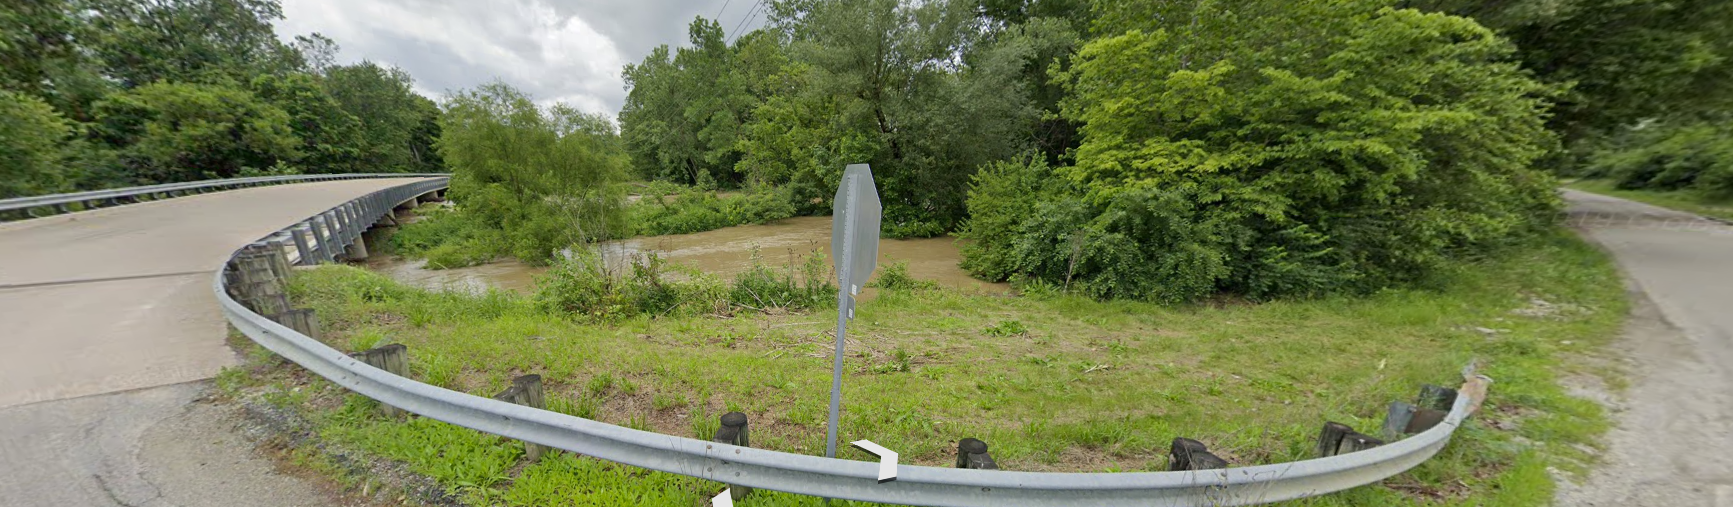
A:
[(842, 303)]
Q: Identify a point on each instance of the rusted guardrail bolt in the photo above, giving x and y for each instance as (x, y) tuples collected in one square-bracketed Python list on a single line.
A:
[(1187, 454), (733, 432), (972, 454)]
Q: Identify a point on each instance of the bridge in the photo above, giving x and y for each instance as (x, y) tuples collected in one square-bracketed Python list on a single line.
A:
[(107, 320)]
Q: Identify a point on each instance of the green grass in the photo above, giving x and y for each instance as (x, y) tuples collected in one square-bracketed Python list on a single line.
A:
[(1682, 200), (1052, 383)]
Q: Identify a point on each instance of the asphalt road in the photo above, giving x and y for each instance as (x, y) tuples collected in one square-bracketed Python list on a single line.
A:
[(1674, 441), (109, 328)]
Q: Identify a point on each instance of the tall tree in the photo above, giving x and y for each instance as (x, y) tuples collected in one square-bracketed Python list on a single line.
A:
[(145, 41), (186, 131), (330, 137), (1621, 61), (390, 112), (32, 136), (548, 177)]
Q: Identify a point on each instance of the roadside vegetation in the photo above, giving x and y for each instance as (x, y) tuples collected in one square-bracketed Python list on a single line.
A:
[(108, 93), (1229, 221), (670, 208), (1685, 164), (1683, 200), (1052, 381)]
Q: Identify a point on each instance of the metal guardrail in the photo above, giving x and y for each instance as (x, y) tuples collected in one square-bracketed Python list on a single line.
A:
[(117, 196), (798, 473)]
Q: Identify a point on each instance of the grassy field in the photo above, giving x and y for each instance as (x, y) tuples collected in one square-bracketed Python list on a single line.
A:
[(1686, 201), (1051, 382)]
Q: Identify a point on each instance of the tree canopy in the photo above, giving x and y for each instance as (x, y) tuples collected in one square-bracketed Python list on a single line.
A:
[(170, 90)]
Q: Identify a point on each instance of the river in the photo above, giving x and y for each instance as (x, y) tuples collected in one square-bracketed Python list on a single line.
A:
[(724, 252)]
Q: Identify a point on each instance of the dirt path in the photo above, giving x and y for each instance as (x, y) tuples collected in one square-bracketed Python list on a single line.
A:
[(1674, 441)]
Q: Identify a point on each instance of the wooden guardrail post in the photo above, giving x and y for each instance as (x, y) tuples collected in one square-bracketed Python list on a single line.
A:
[(733, 432), (972, 454), (527, 391), (393, 358), (301, 320), (258, 286), (1187, 454)]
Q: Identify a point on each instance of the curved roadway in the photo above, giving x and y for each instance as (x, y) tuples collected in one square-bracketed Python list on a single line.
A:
[(106, 320), (1674, 441)]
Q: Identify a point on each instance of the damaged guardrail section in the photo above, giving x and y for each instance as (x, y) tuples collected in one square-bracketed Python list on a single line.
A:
[(1348, 459)]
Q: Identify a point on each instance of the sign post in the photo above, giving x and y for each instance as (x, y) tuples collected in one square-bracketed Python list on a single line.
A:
[(854, 246)]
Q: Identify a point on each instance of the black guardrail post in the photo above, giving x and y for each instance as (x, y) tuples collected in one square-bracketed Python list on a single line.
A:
[(1188, 454), (972, 453), (733, 432)]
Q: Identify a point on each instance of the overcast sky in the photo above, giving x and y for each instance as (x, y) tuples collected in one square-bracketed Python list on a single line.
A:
[(556, 50)]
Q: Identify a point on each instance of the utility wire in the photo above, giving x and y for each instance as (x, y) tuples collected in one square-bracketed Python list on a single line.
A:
[(743, 19), (718, 16)]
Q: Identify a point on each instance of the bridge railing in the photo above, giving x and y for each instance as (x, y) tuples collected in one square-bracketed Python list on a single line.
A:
[(62, 203), (799, 473)]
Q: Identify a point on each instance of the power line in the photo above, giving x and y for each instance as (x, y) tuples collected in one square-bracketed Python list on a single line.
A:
[(718, 16), (743, 20)]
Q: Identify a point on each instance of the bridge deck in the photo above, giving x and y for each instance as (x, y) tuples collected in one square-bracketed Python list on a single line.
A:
[(120, 298)]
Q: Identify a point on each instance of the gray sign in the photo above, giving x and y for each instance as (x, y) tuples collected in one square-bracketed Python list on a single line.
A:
[(854, 227), (854, 243)]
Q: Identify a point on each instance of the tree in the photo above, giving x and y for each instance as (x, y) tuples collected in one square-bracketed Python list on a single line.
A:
[(31, 139), (391, 114), (546, 178), (682, 117), (145, 41), (918, 93), (330, 137), (317, 51), (1273, 148), (170, 132), (1621, 61), (40, 56)]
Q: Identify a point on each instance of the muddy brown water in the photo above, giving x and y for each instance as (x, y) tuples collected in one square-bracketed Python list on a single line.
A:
[(724, 252)]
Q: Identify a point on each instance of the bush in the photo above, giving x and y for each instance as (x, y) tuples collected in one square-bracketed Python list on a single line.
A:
[(896, 277), (693, 210), (762, 288), (583, 285), (1685, 156), (1406, 142)]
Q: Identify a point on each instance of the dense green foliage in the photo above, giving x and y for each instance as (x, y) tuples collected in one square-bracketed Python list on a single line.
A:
[(1214, 163), (672, 209), (1619, 61), (924, 92), (1695, 156), (529, 181), (174, 90), (31, 134)]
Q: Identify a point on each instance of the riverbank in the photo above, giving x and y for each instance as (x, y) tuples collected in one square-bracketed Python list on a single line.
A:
[(1053, 383)]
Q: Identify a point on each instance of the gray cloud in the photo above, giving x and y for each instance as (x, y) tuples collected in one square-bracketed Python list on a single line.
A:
[(557, 50)]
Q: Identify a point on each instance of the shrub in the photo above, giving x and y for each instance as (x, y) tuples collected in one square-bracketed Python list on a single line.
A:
[(896, 277), (1403, 140), (1684, 156), (694, 210), (582, 285)]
